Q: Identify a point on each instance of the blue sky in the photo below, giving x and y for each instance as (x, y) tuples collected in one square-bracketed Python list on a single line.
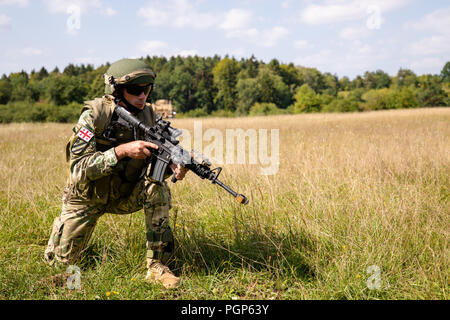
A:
[(346, 37)]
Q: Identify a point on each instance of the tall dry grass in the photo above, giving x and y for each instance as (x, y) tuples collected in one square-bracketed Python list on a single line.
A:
[(352, 191)]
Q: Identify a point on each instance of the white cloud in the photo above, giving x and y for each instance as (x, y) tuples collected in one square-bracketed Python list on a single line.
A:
[(286, 4), (437, 44), (238, 52), (62, 6), (94, 60), (316, 14), (302, 44), (236, 19), (270, 37), (186, 15), (5, 22), (317, 60), (354, 33), (74, 10), (436, 22), (177, 13), (355, 59), (363, 50), (153, 16), (251, 33), (21, 3), (29, 51), (152, 47), (428, 63), (265, 38), (110, 12), (335, 11), (235, 22)]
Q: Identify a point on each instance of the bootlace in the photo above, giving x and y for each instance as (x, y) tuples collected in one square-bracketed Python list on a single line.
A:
[(161, 268)]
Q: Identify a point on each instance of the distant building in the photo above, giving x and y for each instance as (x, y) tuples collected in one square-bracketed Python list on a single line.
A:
[(164, 108)]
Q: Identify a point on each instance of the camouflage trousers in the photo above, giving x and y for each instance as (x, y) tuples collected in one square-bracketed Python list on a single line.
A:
[(73, 228)]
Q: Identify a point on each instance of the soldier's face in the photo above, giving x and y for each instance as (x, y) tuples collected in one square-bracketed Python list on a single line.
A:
[(137, 100)]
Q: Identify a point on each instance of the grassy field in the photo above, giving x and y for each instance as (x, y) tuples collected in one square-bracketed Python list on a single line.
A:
[(353, 191)]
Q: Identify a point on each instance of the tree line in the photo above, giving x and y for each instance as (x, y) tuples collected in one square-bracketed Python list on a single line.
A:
[(202, 86)]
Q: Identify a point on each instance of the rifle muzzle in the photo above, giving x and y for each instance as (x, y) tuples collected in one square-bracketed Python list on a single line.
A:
[(241, 199)]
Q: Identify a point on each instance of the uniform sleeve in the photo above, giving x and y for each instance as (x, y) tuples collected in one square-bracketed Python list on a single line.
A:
[(86, 163)]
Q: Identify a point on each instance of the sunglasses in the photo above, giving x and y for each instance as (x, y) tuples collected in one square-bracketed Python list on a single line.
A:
[(137, 90)]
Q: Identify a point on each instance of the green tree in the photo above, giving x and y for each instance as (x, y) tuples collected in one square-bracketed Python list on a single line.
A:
[(43, 73), (376, 99), (357, 83), (95, 82), (344, 83), (313, 78), (205, 90), (306, 100), (163, 85), (404, 97), (64, 89), (182, 93), (225, 78), (445, 73), (156, 63), (273, 89), (5, 90), (331, 84), (274, 66), (406, 77), (341, 104), (376, 80), (248, 91), (71, 70), (290, 75), (430, 92), (252, 67), (19, 84)]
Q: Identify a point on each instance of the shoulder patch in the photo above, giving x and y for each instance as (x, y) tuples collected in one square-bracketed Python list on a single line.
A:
[(78, 146), (82, 139), (85, 134)]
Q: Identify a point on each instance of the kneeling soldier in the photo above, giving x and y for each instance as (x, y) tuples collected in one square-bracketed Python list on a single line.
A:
[(109, 173)]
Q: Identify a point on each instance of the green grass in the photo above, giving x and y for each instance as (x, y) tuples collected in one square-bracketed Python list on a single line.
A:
[(353, 191)]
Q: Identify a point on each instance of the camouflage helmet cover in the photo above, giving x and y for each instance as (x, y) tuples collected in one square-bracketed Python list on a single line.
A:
[(127, 71)]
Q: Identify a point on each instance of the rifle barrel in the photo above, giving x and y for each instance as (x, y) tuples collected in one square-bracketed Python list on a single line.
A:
[(239, 197)]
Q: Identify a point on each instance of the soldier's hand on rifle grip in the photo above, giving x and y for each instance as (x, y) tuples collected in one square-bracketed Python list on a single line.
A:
[(136, 149), (178, 172)]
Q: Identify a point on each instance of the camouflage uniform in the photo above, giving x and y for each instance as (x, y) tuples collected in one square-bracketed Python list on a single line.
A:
[(98, 183)]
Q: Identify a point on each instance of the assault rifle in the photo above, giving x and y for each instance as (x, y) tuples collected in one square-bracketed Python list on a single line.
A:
[(164, 136)]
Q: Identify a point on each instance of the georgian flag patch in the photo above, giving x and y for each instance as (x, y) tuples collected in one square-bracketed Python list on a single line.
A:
[(85, 134), (82, 141)]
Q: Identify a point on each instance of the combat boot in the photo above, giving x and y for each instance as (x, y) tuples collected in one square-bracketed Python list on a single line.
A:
[(159, 273)]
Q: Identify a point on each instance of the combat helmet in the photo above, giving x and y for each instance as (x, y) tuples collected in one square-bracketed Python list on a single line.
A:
[(127, 72)]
